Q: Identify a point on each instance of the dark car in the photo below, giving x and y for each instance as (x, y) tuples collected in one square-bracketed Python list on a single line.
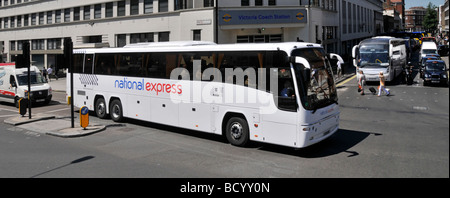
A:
[(422, 64), (435, 72), (443, 50)]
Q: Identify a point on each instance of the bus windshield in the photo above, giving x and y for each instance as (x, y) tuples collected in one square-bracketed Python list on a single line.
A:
[(36, 78), (318, 90), (374, 55)]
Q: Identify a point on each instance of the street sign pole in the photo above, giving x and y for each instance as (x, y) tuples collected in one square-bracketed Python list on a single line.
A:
[(68, 52), (27, 63)]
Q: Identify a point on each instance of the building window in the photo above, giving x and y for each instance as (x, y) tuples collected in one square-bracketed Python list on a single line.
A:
[(38, 44), (53, 44), (19, 45), (121, 8), (141, 38), (121, 40), (76, 14), (67, 15), (163, 6), (5, 23), (12, 45), (197, 35), (275, 38), (163, 36), (272, 2), (134, 7), (183, 4), (94, 39), (245, 3), (97, 11), (41, 18), (208, 3), (148, 6), (49, 17), (87, 12), (344, 17), (349, 21), (258, 2), (33, 19), (109, 10), (58, 16), (19, 21), (13, 22)]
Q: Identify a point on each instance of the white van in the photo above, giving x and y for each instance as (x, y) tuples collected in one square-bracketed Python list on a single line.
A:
[(14, 84), (427, 48)]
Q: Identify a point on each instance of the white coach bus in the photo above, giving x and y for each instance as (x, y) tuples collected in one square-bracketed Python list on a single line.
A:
[(281, 93), (380, 54)]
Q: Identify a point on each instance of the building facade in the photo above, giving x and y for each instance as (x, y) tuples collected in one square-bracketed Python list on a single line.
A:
[(445, 24), (336, 24), (414, 18)]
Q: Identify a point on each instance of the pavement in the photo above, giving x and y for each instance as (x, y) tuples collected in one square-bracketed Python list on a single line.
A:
[(52, 125), (61, 126)]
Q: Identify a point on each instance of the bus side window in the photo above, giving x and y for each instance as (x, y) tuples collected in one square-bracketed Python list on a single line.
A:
[(88, 61)]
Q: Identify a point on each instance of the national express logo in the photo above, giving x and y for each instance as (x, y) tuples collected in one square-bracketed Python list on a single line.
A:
[(141, 85)]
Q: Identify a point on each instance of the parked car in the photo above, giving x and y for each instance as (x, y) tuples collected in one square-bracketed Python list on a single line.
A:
[(443, 50), (426, 58), (435, 72)]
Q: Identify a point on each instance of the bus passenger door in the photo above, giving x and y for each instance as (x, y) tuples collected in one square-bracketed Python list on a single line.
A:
[(87, 81)]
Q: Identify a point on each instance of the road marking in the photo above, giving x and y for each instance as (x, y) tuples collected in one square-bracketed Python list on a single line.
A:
[(345, 81), (2, 109)]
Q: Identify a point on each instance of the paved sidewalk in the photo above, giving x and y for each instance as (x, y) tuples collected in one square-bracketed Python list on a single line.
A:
[(51, 125)]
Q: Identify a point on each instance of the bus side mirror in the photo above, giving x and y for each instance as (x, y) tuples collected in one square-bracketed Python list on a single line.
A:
[(355, 56), (306, 69)]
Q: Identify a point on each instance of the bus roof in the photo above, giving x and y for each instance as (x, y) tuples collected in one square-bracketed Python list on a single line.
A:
[(380, 39), (204, 46)]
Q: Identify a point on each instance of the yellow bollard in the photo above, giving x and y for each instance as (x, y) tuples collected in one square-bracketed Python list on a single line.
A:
[(84, 117)]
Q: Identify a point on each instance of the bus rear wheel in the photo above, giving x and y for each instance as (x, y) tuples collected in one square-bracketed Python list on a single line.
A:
[(237, 131), (116, 111)]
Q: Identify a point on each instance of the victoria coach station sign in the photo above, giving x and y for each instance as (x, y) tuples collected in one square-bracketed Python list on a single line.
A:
[(247, 17)]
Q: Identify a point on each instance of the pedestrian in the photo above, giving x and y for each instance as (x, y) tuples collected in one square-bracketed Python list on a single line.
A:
[(339, 69), (361, 81), (44, 72), (49, 72), (382, 85)]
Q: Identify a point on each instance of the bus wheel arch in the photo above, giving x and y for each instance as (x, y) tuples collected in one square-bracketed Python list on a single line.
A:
[(100, 108), (236, 129), (116, 110)]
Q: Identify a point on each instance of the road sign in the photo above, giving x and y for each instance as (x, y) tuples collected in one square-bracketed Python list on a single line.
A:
[(23, 105), (84, 117)]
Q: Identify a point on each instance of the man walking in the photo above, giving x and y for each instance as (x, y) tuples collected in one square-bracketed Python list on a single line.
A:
[(382, 85)]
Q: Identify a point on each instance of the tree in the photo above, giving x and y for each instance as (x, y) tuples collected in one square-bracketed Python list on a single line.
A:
[(430, 21)]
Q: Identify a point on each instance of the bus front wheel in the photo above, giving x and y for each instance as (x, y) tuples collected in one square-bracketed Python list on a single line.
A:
[(237, 131), (100, 108), (116, 111)]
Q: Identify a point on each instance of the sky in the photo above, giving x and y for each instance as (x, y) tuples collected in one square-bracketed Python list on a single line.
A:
[(423, 3)]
